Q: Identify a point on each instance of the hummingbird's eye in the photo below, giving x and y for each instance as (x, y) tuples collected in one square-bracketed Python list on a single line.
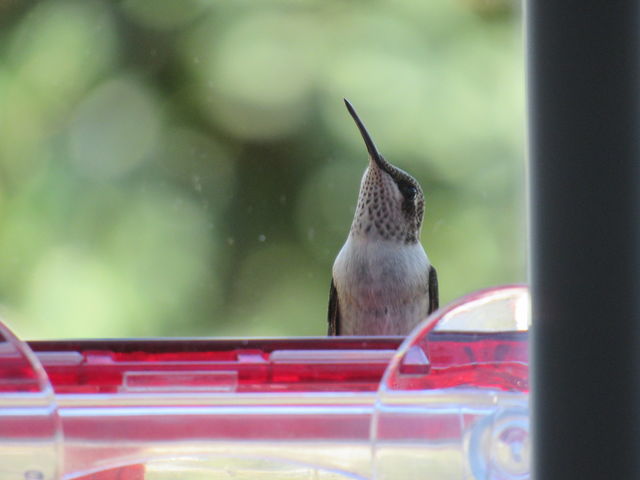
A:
[(408, 191)]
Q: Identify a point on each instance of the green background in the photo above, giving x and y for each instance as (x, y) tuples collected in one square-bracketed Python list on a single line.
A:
[(173, 168)]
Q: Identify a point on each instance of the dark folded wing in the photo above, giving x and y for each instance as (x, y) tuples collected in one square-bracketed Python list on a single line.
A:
[(334, 311), (433, 290)]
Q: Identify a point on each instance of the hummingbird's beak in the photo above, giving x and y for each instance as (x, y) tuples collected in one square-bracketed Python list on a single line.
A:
[(371, 147)]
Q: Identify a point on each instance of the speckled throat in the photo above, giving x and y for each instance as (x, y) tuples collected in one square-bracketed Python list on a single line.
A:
[(380, 213)]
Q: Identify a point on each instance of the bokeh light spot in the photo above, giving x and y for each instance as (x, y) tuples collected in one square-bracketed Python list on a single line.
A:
[(61, 47), (255, 75), (73, 294), (114, 129)]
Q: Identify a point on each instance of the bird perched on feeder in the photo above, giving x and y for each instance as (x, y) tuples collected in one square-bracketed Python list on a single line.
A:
[(383, 282)]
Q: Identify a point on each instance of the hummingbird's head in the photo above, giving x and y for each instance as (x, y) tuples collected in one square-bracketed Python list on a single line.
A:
[(391, 202)]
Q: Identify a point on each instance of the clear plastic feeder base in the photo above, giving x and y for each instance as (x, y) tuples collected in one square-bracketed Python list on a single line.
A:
[(447, 402)]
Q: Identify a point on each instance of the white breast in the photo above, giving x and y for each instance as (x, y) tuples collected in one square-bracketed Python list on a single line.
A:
[(382, 286)]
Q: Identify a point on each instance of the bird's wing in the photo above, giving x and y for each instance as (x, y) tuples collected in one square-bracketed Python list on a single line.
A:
[(334, 311), (434, 301)]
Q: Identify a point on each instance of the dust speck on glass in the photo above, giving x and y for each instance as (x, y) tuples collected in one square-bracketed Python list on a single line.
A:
[(188, 168)]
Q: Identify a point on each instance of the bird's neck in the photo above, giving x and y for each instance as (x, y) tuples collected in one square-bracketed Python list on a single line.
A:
[(375, 236), (375, 225)]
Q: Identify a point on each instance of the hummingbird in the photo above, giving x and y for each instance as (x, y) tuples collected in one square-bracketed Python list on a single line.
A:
[(383, 282)]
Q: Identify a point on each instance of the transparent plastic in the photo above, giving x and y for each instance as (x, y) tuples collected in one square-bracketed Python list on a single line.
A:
[(468, 418), (30, 428), (449, 401)]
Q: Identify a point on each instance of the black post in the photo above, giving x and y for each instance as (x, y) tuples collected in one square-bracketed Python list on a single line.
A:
[(584, 125)]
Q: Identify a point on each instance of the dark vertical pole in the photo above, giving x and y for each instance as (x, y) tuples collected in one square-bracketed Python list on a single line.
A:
[(584, 125)]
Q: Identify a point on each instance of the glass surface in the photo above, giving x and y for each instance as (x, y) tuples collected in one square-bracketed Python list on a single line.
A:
[(188, 168)]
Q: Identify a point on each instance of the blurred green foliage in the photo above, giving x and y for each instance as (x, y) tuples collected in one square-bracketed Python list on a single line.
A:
[(188, 167)]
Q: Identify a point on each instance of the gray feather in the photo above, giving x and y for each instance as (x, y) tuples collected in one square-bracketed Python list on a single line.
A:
[(334, 311), (434, 300)]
